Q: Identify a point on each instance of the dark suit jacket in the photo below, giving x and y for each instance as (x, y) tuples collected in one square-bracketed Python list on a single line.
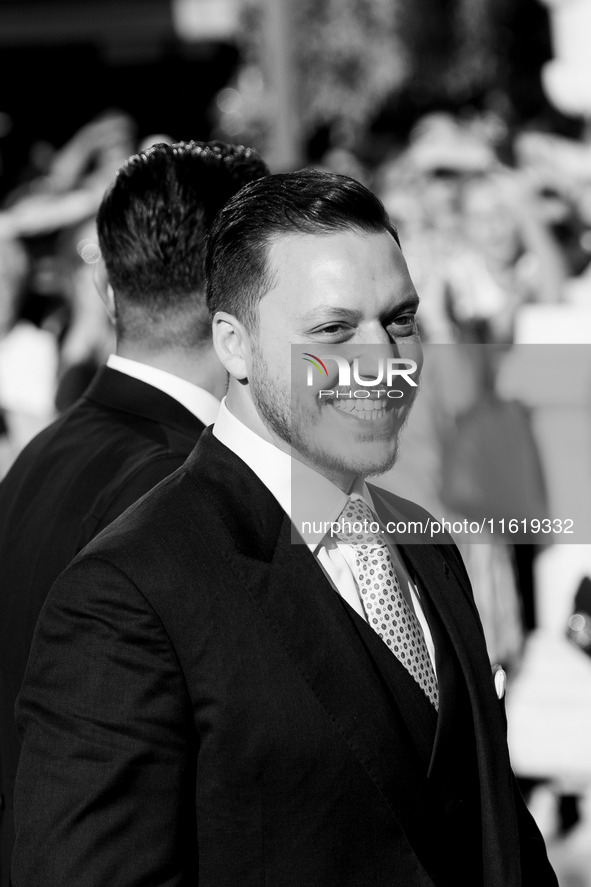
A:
[(202, 708), (115, 444)]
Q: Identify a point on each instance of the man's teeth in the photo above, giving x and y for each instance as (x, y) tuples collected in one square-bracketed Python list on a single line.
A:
[(361, 409)]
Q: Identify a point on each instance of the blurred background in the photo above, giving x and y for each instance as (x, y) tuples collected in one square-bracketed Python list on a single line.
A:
[(471, 119)]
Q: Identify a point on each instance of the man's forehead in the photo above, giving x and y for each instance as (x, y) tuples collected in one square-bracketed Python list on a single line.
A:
[(303, 250), (343, 275)]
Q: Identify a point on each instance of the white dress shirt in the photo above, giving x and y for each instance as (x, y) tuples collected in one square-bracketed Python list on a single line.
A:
[(197, 400), (318, 499)]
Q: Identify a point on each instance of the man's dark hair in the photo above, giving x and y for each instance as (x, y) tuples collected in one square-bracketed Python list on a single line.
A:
[(308, 201), (152, 224)]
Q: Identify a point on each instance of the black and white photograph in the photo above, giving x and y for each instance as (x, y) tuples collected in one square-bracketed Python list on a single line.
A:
[(295, 443)]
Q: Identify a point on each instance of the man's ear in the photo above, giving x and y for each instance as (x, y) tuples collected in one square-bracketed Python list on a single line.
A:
[(105, 290), (232, 344)]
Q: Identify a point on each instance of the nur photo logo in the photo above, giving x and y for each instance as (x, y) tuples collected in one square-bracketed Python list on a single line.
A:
[(384, 371)]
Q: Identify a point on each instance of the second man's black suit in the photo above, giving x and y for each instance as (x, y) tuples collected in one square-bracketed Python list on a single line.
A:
[(71, 481)]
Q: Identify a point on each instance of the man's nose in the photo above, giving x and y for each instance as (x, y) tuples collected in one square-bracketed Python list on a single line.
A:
[(371, 360)]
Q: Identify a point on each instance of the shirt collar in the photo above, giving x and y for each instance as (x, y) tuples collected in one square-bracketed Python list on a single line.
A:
[(197, 400), (317, 501)]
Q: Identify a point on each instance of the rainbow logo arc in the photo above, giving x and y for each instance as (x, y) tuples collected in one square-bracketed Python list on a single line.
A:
[(316, 362)]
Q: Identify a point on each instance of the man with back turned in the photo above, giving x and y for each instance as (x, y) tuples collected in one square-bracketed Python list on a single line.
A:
[(142, 413)]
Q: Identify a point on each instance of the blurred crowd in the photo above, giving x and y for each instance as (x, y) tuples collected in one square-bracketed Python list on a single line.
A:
[(54, 331), (486, 233), (482, 238)]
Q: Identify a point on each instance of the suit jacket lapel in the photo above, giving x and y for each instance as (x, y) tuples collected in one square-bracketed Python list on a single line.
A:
[(454, 603)]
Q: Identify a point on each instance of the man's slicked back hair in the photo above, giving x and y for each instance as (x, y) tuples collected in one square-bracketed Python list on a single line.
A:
[(308, 201), (152, 224)]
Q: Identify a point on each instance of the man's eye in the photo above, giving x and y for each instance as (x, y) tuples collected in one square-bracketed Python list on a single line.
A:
[(333, 329), (405, 320)]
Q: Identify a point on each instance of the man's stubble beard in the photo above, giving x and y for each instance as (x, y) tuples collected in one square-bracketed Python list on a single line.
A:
[(272, 404), (278, 410)]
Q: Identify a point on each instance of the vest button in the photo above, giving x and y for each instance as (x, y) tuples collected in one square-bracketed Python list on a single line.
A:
[(446, 569)]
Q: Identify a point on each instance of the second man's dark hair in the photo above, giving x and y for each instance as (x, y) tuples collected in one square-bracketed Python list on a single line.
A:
[(152, 224)]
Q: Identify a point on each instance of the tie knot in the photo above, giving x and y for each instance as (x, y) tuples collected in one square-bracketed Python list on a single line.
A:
[(358, 524)]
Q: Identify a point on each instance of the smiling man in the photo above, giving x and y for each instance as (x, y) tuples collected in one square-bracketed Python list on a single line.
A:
[(214, 700), (346, 286)]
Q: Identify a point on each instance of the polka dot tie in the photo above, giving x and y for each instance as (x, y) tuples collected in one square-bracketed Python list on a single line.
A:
[(387, 610)]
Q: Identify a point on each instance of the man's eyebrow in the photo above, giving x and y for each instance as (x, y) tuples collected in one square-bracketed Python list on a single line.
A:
[(337, 312), (410, 301), (332, 312)]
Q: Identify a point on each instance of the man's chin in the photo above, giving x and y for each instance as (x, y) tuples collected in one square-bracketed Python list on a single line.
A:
[(367, 468), (359, 461)]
